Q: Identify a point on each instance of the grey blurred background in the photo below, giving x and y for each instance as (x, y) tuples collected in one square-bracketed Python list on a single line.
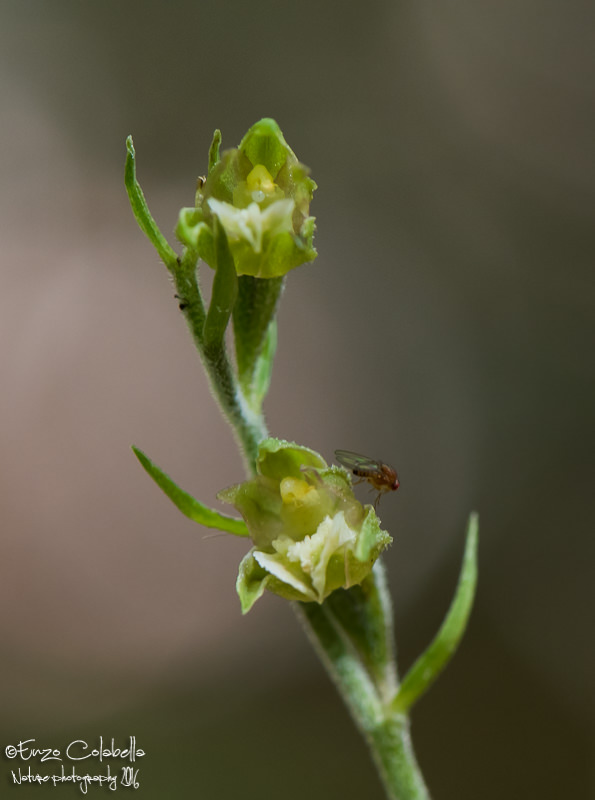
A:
[(446, 327)]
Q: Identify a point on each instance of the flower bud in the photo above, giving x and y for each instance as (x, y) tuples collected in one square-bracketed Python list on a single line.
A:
[(261, 195), (310, 534)]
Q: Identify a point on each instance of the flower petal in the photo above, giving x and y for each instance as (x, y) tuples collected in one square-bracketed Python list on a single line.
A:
[(274, 565)]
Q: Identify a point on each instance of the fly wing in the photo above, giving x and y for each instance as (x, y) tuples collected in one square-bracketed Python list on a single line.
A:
[(361, 465)]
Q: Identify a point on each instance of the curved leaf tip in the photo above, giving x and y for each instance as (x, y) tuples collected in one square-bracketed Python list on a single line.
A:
[(188, 505), (430, 664)]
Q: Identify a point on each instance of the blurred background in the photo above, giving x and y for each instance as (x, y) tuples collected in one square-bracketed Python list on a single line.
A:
[(446, 327)]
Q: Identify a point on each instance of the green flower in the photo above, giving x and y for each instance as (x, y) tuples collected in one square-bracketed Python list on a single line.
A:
[(261, 194), (311, 536), (254, 223)]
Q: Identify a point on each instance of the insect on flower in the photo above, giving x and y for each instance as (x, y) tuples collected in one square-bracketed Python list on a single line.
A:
[(381, 476)]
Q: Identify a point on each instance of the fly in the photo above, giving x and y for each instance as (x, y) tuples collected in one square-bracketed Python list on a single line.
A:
[(381, 476)]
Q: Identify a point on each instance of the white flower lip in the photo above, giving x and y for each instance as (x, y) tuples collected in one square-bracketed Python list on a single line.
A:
[(273, 564), (252, 223), (311, 555)]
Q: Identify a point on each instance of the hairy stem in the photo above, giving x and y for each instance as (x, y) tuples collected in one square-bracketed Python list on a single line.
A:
[(352, 634), (248, 426)]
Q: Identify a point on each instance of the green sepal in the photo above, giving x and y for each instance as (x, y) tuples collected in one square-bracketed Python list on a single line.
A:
[(224, 293), (253, 580), (254, 333), (196, 234), (224, 176), (278, 459), (430, 664), (214, 149), (265, 144), (141, 211), (258, 500), (188, 505), (280, 254), (371, 537)]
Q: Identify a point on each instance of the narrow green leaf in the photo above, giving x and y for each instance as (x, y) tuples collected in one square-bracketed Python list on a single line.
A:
[(431, 663), (264, 367), (142, 213), (224, 292), (214, 149), (187, 504)]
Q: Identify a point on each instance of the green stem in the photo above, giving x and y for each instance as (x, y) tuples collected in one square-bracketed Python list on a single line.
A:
[(349, 675), (392, 751), (352, 634), (248, 426)]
